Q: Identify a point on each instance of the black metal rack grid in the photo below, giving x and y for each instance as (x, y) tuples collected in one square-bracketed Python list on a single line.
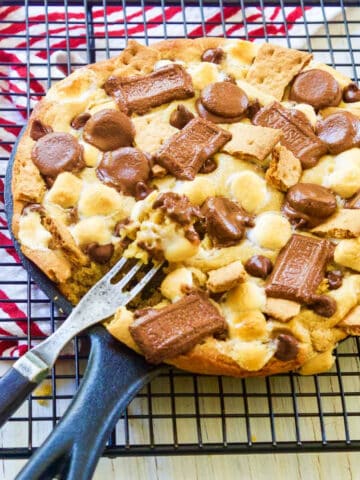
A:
[(178, 412)]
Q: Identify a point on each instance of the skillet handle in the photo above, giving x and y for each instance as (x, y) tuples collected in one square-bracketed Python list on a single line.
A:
[(114, 375)]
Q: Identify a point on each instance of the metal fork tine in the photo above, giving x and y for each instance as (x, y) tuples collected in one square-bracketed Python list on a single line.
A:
[(131, 273), (115, 269), (143, 282)]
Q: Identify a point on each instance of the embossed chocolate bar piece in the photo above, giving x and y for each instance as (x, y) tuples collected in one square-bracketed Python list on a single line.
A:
[(297, 134), (175, 329), (299, 269), (137, 94), (186, 151)]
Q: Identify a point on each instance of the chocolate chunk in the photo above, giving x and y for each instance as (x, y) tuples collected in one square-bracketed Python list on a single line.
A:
[(299, 269), (99, 253), (213, 55), (335, 279), (259, 266), (80, 120), (177, 207), (351, 93), (57, 152), (298, 136), (308, 205), (175, 329), (180, 117), (317, 88), (225, 221), (340, 131), (186, 151), (138, 94), (204, 113), (126, 169), (253, 108), (208, 166), (109, 129), (353, 202), (224, 99), (287, 347), (323, 305), (39, 130)]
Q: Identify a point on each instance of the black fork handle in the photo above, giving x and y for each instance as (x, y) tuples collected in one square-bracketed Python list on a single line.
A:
[(114, 375)]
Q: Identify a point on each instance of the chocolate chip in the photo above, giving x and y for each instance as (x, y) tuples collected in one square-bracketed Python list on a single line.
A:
[(39, 130), (109, 130), (180, 117), (323, 305), (57, 152), (317, 88), (259, 266), (308, 204), (340, 131), (208, 166), (225, 221), (253, 108), (177, 207), (287, 347), (80, 120), (224, 99), (335, 279), (100, 253), (213, 55), (351, 93), (124, 169)]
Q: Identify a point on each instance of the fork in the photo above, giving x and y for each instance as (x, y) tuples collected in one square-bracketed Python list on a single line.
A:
[(101, 301)]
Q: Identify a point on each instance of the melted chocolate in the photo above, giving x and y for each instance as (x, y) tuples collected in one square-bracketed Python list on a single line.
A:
[(180, 117), (57, 152), (100, 253), (335, 279), (140, 93), (175, 329), (208, 166), (177, 207), (213, 55), (109, 129), (317, 88), (258, 266), (186, 151), (126, 169), (298, 136), (340, 131), (225, 221), (323, 305), (308, 205)]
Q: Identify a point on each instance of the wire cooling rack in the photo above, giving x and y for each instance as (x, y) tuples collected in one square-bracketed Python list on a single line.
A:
[(178, 412)]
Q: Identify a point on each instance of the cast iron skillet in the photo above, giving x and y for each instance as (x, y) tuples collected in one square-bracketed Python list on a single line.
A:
[(113, 376)]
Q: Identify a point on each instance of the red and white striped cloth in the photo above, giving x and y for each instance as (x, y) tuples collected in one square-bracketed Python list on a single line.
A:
[(47, 32)]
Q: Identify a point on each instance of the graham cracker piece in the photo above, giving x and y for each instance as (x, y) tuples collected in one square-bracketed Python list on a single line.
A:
[(280, 309), (226, 278), (345, 223), (250, 142), (274, 67), (351, 323), (284, 170)]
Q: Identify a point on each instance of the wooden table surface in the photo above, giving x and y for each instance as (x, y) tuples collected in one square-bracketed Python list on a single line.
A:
[(324, 466)]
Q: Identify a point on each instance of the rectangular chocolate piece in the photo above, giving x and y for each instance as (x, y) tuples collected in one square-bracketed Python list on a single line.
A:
[(297, 134), (299, 268), (140, 93), (185, 152), (177, 328)]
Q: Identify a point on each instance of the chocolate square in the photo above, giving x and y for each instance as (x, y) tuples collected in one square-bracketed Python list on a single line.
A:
[(186, 151), (175, 329)]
